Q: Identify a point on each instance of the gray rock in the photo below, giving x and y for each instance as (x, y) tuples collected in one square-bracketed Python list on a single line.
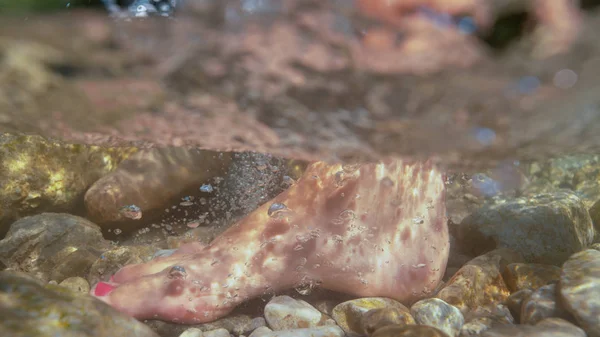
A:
[(192, 332), (52, 246), (544, 228), (580, 289), (216, 333), (543, 303), (319, 331), (30, 308), (260, 332), (284, 313), (439, 314)]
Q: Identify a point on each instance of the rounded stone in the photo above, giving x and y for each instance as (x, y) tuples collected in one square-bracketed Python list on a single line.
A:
[(284, 313), (514, 302), (76, 284), (559, 222), (375, 319), (439, 314), (348, 315), (191, 332), (520, 276), (409, 331), (580, 289), (543, 303)]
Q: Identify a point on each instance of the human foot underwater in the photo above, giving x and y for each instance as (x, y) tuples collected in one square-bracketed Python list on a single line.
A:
[(375, 229)]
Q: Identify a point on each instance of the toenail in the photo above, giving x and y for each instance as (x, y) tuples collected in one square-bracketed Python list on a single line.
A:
[(103, 289)]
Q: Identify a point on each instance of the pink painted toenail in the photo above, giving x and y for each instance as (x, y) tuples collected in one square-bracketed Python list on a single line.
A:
[(103, 289)]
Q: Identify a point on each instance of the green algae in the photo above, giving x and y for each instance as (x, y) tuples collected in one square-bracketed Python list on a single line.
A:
[(39, 174)]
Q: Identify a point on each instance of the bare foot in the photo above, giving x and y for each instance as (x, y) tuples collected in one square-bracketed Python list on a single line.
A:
[(367, 230)]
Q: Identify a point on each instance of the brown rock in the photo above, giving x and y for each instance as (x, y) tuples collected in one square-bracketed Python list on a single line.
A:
[(479, 282), (514, 302), (375, 319), (543, 303), (520, 276), (408, 331), (348, 315), (579, 289)]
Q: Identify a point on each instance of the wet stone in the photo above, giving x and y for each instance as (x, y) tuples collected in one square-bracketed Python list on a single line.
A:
[(595, 246), (437, 313), (514, 302), (375, 319), (578, 173), (284, 313), (216, 333), (409, 331), (348, 315), (30, 308), (595, 215), (549, 327), (52, 246), (520, 276), (76, 284), (479, 283), (41, 175), (148, 180), (319, 331), (558, 221), (543, 303), (260, 332), (191, 332), (579, 289), (109, 262)]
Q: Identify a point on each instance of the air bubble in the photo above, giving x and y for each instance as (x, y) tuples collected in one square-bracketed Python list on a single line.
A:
[(177, 272), (206, 188), (187, 201), (418, 220), (276, 209), (346, 217), (117, 231)]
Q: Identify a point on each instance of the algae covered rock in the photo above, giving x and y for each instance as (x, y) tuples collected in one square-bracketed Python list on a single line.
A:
[(545, 228), (31, 309), (38, 174), (52, 246)]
